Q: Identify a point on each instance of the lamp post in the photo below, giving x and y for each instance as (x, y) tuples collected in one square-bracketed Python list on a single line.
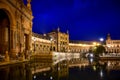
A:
[(102, 40)]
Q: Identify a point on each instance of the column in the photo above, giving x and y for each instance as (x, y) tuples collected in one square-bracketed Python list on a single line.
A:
[(1, 40), (30, 44), (27, 45), (13, 43)]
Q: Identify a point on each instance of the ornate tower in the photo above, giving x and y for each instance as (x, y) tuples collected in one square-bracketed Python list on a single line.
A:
[(108, 37), (67, 32), (58, 29), (28, 4)]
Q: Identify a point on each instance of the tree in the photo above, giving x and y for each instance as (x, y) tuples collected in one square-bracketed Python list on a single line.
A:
[(99, 50)]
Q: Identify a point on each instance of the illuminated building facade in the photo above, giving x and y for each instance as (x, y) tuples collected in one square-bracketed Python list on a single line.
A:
[(81, 46), (53, 41), (15, 28), (112, 46), (16, 33), (41, 43), (17, 39), (59, 42)]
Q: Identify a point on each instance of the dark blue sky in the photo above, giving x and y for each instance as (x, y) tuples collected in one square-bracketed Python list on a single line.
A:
[(85, 19)]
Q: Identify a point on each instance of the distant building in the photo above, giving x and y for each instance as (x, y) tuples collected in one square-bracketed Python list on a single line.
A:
[(112, 46), (58, 41), (53, 41), (82, 46)]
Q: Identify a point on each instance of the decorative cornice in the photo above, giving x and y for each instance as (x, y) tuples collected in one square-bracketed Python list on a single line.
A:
[(21, 10)]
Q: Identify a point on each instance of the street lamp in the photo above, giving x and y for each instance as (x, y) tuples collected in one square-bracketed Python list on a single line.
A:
[(101, 39)]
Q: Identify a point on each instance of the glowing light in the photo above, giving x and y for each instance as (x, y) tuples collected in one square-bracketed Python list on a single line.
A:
[(51, 77), (58, 68), (101, 39), (101, 73), (109, 64), (40, 40), (98, 44), (84, 45), (34, 77), (108, 46), (91, 60), (94, 68), (91, 55), (94, 43), (51, 39)]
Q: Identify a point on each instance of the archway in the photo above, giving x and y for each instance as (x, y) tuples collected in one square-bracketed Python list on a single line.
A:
[(4, 32)]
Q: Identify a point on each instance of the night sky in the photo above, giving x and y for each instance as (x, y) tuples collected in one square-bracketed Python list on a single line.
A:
[(85, 19)]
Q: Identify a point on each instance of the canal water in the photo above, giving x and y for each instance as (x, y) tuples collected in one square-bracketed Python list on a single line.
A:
[(101, 70)]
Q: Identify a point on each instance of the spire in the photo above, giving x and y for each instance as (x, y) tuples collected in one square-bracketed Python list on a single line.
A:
[(108, 37), (58, 29), (28, 4), (67, 31)]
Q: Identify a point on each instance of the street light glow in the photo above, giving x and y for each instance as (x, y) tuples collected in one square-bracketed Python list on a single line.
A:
[(34, 77), (101, 39), (51, 39), (51, 77), (94, 43), (91, 55)]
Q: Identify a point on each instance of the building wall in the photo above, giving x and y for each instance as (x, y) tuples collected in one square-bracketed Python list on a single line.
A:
[(61, 43), (60, 40), (20, 17), (40, 46), (54, 41), (112, 46), (80, 47)]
